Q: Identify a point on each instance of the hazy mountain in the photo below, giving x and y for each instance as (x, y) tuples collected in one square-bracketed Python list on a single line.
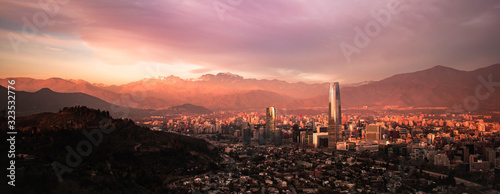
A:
[(163, 92), (435, 87), (134, 99), (189, 108), (438, 86), (46, 100), (245, 100), (210, 90)]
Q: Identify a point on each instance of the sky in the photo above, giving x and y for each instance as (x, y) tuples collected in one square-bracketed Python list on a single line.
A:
[(120, 41)]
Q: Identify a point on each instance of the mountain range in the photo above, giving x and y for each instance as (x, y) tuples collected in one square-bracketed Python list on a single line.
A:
[(435, 87), (46, 100)]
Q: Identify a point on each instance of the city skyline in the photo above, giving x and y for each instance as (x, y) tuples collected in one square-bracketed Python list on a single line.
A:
[(244, 96), (264, 151), (113, 43)]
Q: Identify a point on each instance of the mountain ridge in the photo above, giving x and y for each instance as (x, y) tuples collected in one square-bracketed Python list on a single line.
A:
[(436, 86), (47, 100)]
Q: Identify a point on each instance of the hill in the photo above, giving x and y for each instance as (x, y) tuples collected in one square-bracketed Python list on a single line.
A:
[(128, 159), (46, 100), (97, 90), (188, 109)]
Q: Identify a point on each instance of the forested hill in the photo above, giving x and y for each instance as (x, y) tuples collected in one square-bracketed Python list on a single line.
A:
[(128, 159)]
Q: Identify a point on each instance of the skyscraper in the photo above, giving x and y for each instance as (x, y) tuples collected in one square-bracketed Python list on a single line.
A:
[(334, 116), (246, 133), (270, 122)]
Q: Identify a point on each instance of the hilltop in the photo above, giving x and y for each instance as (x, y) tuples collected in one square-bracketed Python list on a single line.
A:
[(129, 158)]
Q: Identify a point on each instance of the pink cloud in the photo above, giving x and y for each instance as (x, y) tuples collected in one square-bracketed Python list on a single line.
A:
[(266, 37)]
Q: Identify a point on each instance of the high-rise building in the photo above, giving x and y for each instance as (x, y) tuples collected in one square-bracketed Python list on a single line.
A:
[(278, 136), (295, 133), (373, 132), (334, 116), (246, 133), (270, 121), (303, 137)]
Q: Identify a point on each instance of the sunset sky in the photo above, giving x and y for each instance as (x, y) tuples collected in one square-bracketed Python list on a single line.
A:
[(120, 41)]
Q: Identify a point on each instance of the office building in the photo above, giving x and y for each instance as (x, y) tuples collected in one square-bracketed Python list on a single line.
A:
[(334, 116), (270, 122), (373, 132)]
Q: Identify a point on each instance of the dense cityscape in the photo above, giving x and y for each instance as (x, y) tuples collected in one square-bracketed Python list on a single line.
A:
[(376, 151)]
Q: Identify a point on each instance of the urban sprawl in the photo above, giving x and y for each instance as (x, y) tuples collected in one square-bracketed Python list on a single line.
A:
[(359, 150)]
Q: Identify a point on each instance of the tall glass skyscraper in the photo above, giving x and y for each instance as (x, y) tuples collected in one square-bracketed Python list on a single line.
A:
[(334, 116), (271, 121)]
